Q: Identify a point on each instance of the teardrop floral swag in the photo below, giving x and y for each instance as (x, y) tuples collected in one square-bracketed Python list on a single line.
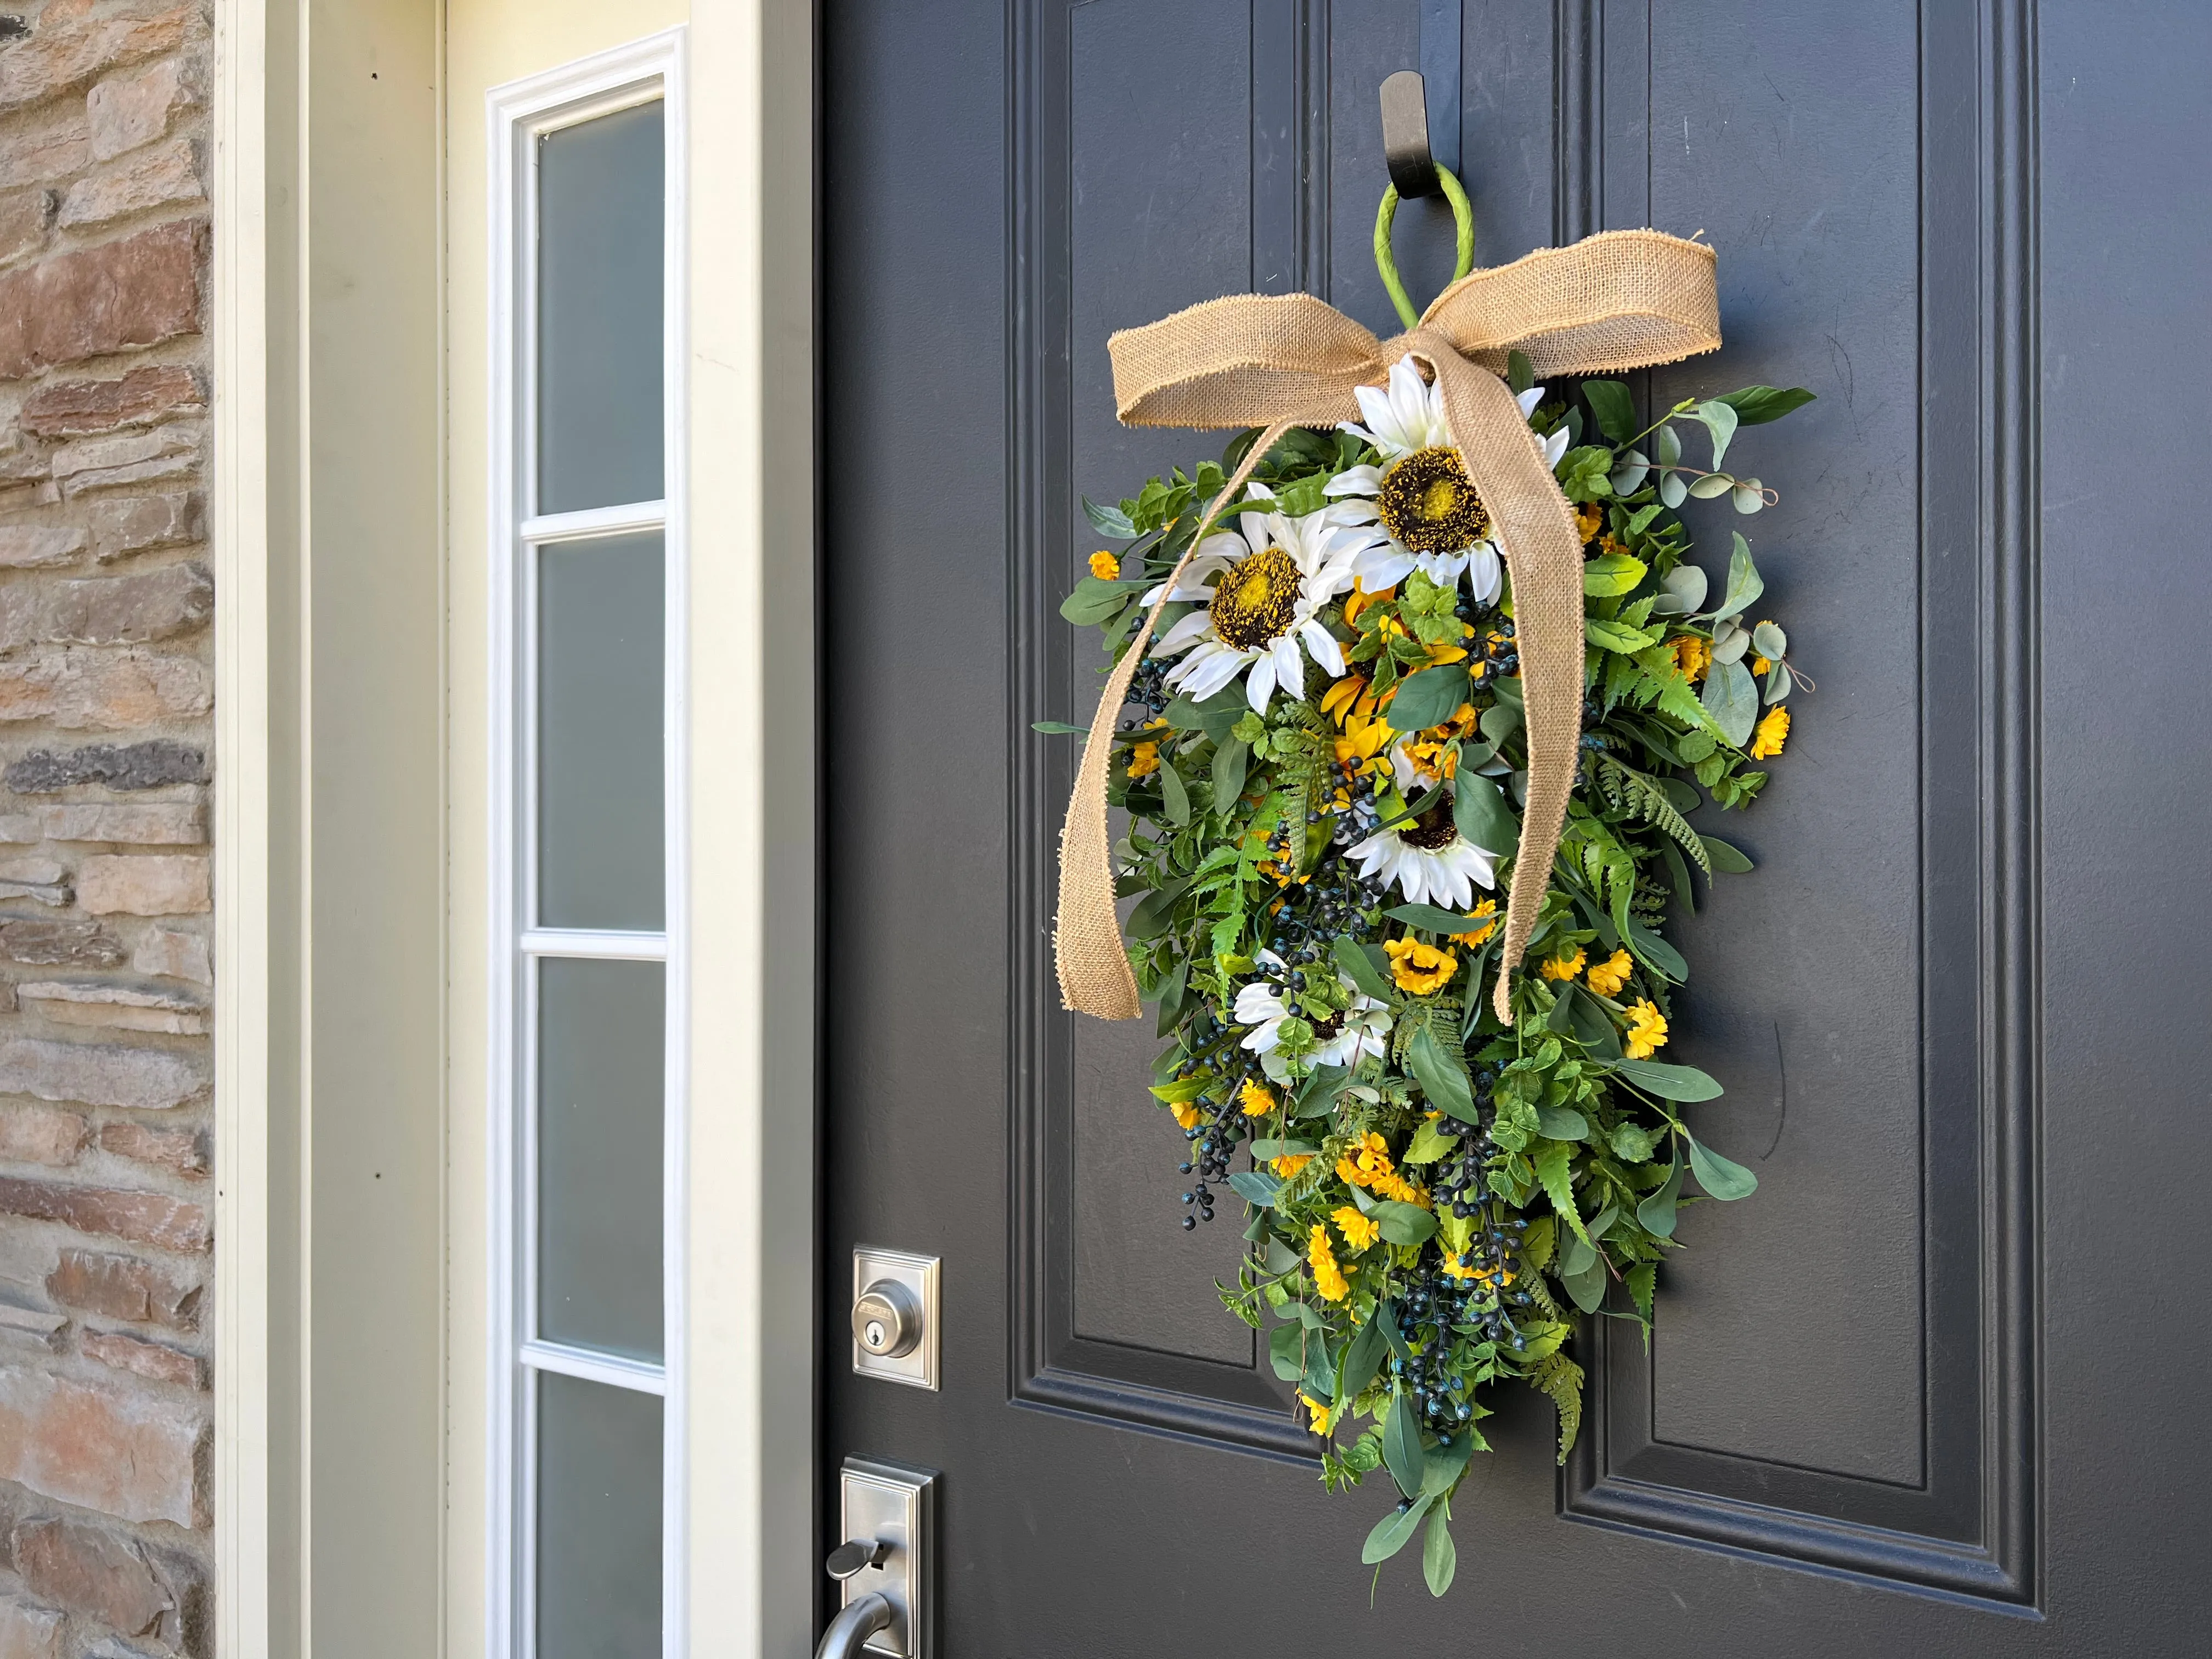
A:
[(1320, 762)]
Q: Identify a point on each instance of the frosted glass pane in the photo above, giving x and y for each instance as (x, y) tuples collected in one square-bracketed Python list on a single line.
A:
[(600, 628), (598, 1521), (598, 312), (599, 1113)]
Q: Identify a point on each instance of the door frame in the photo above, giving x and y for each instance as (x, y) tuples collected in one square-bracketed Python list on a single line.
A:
[(286, 1496)]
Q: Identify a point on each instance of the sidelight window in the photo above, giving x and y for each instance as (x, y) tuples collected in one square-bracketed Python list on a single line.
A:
[(587, 949)]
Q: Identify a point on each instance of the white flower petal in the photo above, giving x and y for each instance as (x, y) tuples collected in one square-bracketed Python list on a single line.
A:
[(1485, 573), (1260, 690), (1322, 645), (1184, 635), (1361, 480), (1382, 566), (1528, 400), (1555, 446)]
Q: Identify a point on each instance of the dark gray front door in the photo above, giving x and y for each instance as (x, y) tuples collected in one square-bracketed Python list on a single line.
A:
[(1938, 1388)]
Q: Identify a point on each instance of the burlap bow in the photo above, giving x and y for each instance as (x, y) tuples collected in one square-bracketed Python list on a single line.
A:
[(1621, 300)]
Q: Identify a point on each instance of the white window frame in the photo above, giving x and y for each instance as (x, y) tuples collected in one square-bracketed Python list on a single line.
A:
[(518, 115)]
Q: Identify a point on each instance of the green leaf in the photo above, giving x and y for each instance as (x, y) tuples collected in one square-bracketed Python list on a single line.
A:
[(1559, 1378), (1655, 1214), (1173, 796), (1552, 1173), (1721, 420), (1286, 1351), (1439, 1557), (1429, 1144), (1114, 524), (1304, 496), (1721, 1178), (1431, 920), (1755, 405), (1562, 1123), (1404, 1224), (1612, 573), (1096, 600), (1656, 953), (1359, 967), (1575, 1256), (1725, 857), (1402, 1443), (1587, 1287), (1683, 1082), (1229, 761), (1673, 490), (1060, 729), (1443, 1077), (1632, 1142), (1617, 635), (1217, 716), (1429, 698), (1693, 747), (1641, 1278), (1480, 814), (1445, 1464), (1172, 992), (1392, 1533), (1585, 473), (1256, 1186), (1500, 721), (1732, 699), (1363, 1358), (1745, 584), (1615, 409), (1520, 373)]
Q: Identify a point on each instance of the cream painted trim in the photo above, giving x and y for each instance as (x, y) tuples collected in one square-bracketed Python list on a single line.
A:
[(750, 1371), (241, 320)]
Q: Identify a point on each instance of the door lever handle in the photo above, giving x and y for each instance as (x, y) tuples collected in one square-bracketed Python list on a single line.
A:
[(849, 1630), (857, 1555)]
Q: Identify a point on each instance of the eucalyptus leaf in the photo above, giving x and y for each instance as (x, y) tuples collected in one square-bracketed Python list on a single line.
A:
[(1655, 1214), (1673, 490), (1480, 814), (1628, 477), (1770, 641), (1730, 642), (1439, 1555), (1745, 584), (1732, 699), (1712, 485), (1173, 795), (1277, 1146), (1575, 1256), (1096, 600), (1721, 420), (1667, 445), (1393, 1532), (1562, 1123), (1256, 1186), (1755, 405), (1778, 681), (1587, 1288), (1720, 1176), (1429, 698), (1687, 582), (1442, 1078), (1681, 1083), (1359, 967), (1748, 496), (1500, 722), (1286, 1351), (1404, 1224), (1109, 522), (1402, 1443), (1728, 858)]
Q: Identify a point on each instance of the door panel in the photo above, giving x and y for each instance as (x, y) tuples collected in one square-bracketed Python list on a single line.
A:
[(1838, 1415)]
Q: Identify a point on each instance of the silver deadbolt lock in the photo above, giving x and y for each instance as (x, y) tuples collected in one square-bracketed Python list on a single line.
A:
[(895, 1315), (887, 1320)]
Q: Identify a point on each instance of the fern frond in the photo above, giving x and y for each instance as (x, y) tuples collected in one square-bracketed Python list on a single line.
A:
[(1629, 790), (1559, 1378)]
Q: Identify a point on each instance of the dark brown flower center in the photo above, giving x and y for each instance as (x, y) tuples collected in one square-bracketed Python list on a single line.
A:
[(1429, 505), (1432, 831), (1255, 598)]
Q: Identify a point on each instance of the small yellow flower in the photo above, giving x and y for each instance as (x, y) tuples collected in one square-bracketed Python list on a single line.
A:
[(1693, 655), (1487, 908), (1589, 519), (1457, 1267), (1319, 1412), (1144, 759), (1606, 977), (1290, 1164), (1185, 1114), (1359, 599), (1419, 968), (1257, 1099), (1105, 566), (1329, 1278), (1369, 1166), (1339, 697), (1360, 1231), (1758, 664), (1766, 742), (1647, 1030), (1564, 968)]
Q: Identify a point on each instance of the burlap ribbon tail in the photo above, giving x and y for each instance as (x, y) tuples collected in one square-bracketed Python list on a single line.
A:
[(1619, 301)]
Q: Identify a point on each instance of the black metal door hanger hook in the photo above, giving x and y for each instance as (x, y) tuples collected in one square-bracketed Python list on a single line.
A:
[(1420, 110), (1405, 135)]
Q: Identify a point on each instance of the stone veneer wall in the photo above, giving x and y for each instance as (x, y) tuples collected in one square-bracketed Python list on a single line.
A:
[(106, 681)]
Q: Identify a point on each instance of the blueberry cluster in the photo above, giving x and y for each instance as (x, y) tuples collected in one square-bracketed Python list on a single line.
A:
[(1498, 656), (1148, 686)]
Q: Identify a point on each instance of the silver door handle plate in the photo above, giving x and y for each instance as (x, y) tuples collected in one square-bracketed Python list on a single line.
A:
[(893, 1510)]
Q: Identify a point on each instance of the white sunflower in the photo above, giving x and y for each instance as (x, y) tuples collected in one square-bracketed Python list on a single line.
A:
[(1429, 860), (1266, 584), (1419, 510), (1361, 1030)]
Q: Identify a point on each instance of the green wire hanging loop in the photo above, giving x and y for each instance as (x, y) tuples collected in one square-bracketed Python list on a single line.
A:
[(1387, 265)]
